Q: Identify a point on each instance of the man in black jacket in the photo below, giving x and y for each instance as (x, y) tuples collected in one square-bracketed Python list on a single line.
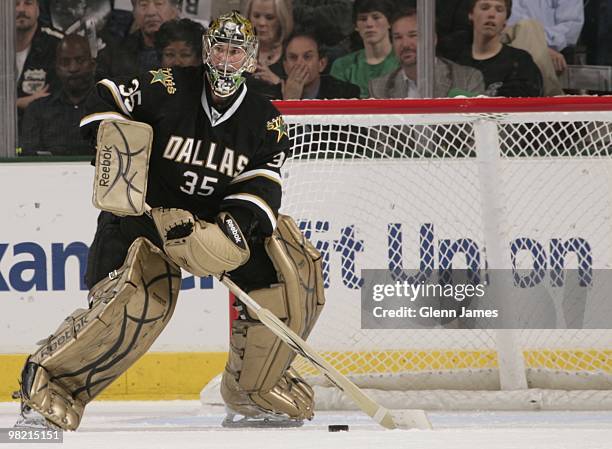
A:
[(35, 54), (51, 125), (304, 63)]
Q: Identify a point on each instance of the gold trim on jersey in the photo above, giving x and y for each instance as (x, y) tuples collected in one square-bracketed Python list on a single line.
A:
[(114, 90), (110, 115), (256, 200), (268, 174)]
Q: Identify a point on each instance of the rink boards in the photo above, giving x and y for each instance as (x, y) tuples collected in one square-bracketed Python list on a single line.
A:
[(49, 222)]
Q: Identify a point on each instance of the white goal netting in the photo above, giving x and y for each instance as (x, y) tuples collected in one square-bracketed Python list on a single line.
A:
[(520, 190)]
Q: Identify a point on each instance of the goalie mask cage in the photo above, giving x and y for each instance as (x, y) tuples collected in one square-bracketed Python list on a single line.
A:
[(408, 184)]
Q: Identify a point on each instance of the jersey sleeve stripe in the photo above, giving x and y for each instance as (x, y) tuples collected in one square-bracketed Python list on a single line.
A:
[(269, 174), (254, 199), (114, 90), (99, 116)]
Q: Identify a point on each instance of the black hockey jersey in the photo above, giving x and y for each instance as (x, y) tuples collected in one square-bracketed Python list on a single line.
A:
[(203, 160)]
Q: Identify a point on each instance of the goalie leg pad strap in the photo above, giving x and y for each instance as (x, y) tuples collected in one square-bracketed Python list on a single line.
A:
[(94, 346), (257, 376)]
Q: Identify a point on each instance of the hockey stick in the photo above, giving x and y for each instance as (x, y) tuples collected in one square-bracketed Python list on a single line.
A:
[(390, 419)]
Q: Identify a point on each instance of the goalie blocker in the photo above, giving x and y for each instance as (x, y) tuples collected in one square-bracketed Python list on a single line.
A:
[(123, 148)]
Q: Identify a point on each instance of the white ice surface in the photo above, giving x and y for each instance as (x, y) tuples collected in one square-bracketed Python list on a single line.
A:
[(183, 424)]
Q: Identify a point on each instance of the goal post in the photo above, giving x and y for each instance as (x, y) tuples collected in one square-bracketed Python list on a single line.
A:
[(507, 184)]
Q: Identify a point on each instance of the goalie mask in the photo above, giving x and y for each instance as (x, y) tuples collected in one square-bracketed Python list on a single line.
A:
[(229, 50)]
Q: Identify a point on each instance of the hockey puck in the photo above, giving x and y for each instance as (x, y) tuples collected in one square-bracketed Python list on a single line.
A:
[(338, 428)]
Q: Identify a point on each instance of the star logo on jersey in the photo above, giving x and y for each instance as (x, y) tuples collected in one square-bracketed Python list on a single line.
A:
[(277, 124), (164, 76)]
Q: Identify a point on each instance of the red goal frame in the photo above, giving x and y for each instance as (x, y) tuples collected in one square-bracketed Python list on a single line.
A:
[(445, 105)]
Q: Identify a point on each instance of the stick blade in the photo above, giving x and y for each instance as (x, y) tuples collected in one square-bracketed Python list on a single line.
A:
[(410, 419)]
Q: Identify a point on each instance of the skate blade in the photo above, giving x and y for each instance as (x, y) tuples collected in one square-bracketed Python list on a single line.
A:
[(31, 419), (33, 423), (261, 423)]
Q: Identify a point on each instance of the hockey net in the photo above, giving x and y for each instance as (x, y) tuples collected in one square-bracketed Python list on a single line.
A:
[(407, 184)]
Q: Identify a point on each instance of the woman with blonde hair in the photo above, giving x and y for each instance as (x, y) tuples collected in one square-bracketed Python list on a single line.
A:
[(273, 22)]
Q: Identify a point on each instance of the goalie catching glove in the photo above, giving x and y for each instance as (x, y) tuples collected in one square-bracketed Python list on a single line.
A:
[(199, 247)]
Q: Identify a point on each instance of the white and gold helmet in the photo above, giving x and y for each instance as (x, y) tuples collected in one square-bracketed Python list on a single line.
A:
[(229, 50)]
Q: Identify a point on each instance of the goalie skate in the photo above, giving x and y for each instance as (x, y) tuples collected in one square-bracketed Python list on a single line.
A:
[(30, 419), (262, 421)]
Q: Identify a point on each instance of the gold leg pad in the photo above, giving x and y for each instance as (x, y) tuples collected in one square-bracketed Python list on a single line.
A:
[(257, 376), (94, 346)]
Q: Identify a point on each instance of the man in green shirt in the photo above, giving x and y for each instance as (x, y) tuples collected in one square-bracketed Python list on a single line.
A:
[(371, 18)]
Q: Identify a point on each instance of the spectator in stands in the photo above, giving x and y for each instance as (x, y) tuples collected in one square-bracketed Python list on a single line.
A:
[(455, 33), (546, 30), (179, 43), (34, 54), (44, 17), (595, 40), (304, 62), (51, 124), (453, 27), (371, 19), (330, 21), (136, 53), (85, 17), (450, 79), (507, 71), (562, 21), (273, 22)]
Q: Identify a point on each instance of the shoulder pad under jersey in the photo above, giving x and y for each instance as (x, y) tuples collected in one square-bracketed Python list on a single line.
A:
[(52, 32)]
